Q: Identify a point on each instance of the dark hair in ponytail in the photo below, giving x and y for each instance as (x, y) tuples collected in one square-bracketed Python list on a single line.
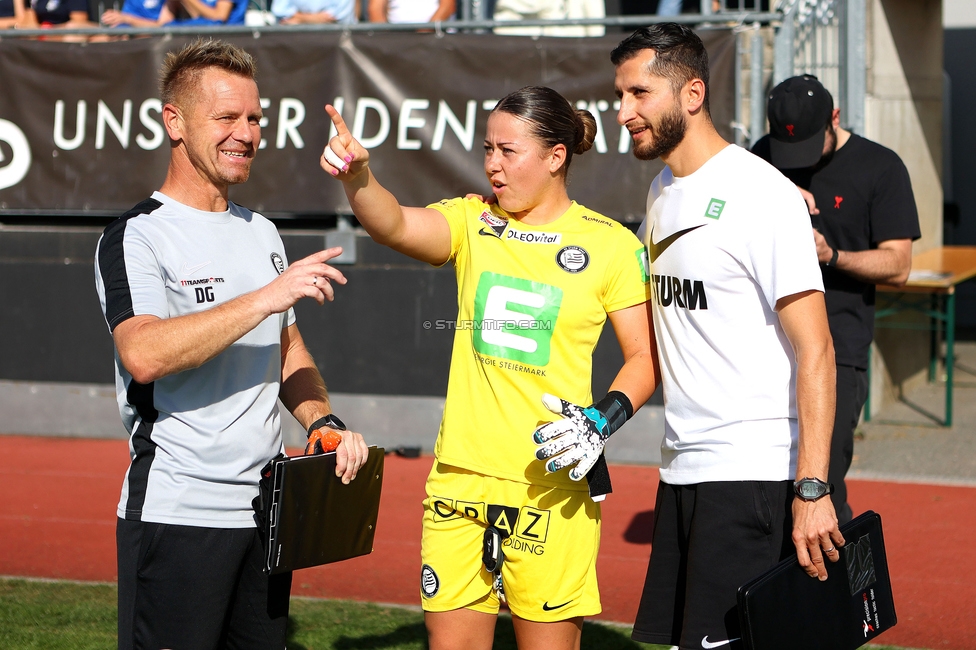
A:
[(552, 119)]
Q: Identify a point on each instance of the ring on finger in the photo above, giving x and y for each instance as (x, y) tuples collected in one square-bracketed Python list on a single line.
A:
[(830, 550), (315, 280)]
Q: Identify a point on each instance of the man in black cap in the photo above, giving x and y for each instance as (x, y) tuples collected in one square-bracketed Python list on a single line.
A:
[(864, 220)]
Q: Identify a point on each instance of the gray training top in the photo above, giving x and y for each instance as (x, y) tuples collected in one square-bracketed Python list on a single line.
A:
[(199, 438)]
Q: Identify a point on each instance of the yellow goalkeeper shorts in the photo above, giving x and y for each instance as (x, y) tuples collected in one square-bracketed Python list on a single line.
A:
[(551, 539)]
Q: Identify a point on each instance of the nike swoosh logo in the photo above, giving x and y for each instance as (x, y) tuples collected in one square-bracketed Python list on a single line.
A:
[(547, 608), (708, 645), (489, 233), (190, 270), (658, 248)]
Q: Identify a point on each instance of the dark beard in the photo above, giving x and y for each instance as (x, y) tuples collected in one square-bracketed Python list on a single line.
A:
[(830, 144), (668, 134)]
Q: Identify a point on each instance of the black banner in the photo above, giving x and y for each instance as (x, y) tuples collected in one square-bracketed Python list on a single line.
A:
[(81, 132)]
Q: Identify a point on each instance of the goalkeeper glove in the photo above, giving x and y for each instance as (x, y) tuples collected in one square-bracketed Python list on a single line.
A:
[(580, 437)]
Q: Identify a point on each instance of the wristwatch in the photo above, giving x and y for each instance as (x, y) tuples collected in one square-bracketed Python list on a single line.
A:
[(330, 421), (811, 489), (833, 258)]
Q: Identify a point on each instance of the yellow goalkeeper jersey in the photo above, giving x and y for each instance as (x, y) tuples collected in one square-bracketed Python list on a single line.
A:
[(532, 302)]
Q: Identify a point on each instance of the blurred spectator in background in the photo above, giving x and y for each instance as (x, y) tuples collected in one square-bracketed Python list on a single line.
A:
[(297, 12), (139, 13), (510, 10), (13, 13), (410, 11), (63, 14), (669, 7), (513, 10), (678, 7), (209, 12), (585, 9), (747, 5)]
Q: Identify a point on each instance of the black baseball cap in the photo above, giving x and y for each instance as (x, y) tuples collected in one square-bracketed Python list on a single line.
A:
[(799, 109)]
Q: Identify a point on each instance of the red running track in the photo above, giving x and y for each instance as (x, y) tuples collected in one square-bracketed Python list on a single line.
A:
[(57, 520)]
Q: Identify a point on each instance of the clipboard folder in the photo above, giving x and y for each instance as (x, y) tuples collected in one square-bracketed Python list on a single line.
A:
[(306, 515), (786, 608)]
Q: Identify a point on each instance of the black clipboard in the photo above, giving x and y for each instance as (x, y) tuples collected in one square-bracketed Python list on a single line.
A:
[(306, 515), (786, 608)]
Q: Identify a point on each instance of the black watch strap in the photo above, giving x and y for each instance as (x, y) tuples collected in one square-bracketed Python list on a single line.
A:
[(833, 258), (330, 421)]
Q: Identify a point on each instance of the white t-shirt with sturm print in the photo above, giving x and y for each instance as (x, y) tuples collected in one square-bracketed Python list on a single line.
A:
[(725, 244)]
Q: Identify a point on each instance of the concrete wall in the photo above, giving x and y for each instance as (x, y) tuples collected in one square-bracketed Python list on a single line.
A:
[(387, 372), (958, 14), (79, 410), (903, 111)]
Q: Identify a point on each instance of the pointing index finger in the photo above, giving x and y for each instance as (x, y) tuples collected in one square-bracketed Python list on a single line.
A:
[(337, 120)]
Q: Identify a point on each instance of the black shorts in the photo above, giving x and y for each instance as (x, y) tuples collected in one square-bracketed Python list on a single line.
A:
[(709, 539), (187, 587)]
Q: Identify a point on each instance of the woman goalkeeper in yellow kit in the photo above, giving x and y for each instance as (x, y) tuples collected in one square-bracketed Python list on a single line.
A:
[(537, 275)]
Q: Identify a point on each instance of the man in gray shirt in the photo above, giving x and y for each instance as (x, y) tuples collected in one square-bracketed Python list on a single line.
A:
[(196, 293)]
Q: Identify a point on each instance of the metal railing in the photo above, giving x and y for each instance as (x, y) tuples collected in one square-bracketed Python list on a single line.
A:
[(821, 37), (826, 38), (442, 27)]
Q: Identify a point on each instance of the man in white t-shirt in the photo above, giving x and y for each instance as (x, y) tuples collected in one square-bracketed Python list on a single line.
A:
[(196, 293), (410, 11), (515, 10), (746, 355)]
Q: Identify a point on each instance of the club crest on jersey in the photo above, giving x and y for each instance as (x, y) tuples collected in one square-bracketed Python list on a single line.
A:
[(572, 259), (497, 225), (279, 263), (430, 584)]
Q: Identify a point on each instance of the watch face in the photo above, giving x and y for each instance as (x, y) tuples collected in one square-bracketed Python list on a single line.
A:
[(810, 489)]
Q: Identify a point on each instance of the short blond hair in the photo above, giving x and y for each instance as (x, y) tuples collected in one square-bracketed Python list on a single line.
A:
[(182, 69)]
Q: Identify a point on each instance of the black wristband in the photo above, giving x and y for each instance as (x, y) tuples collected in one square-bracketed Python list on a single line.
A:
[(617, 408), (330, 421), (833, 258)]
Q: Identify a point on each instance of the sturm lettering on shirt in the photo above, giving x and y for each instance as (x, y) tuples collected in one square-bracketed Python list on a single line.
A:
[(683, 293)]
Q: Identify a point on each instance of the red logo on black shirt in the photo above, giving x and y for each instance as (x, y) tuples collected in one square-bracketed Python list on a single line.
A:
[(837, 201), (789, 129)]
